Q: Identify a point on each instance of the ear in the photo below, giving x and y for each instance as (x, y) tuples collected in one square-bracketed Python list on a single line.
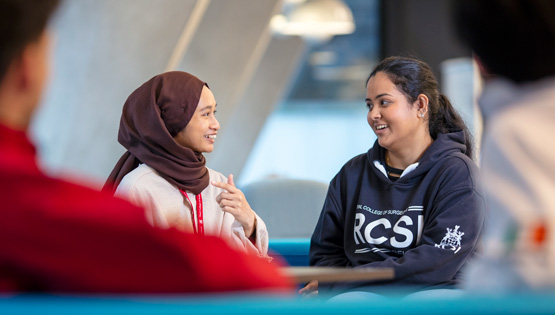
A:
[(24, 70), (25, 67), (36, 61), (422, 105)]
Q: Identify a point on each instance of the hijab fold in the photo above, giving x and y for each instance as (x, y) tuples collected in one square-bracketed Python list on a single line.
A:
[(152, 115)]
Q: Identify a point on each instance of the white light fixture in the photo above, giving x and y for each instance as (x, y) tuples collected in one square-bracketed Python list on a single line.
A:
[(315, 19)]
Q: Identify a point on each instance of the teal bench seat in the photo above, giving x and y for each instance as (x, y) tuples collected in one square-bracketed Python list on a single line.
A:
[(293, 250)]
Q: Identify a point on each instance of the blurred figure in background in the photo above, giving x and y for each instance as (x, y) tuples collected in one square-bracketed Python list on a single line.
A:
[(59, 236), (166, 125), (412, 202), (514, 46)]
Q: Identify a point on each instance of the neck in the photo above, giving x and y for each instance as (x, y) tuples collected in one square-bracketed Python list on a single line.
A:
[(17, 100), (401, 159), (14, 115)]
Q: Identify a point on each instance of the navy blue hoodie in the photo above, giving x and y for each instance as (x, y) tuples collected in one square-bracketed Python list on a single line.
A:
[(425, 225)]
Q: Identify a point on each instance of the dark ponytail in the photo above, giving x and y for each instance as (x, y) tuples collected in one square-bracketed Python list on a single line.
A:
[(445, 119), (414, 77)]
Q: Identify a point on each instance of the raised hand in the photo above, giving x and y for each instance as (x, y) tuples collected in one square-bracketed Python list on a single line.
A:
[(233, 200)]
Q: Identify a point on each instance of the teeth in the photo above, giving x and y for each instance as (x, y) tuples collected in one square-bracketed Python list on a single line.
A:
[(211, 136), (380, 127)]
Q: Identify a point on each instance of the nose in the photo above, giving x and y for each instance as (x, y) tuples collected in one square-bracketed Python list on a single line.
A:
[(373, 114), (214, 123)]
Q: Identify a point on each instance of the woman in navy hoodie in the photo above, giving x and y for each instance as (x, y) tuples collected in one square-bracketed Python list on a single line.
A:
[(413, 201)]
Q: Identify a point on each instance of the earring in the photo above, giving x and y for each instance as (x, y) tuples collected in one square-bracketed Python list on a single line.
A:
[(422, 115)]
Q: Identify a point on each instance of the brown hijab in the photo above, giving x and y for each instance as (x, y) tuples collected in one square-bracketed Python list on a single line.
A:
[(152, 115)]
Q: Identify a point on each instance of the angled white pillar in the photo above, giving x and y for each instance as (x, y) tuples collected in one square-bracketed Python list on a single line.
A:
[(103, 50), (271, 79), (227, 47)]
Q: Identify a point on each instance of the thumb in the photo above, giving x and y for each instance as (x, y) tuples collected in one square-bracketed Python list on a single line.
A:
[(230, 180)]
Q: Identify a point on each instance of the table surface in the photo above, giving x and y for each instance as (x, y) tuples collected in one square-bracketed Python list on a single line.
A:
[(332, 274)]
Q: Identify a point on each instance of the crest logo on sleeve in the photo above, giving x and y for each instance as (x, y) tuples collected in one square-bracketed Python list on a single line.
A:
[(451, 240)]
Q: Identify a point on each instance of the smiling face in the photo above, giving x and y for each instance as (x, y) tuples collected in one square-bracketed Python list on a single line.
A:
[(200, 133), (396, 122)]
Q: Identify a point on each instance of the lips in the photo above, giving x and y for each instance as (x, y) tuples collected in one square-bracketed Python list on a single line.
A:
[(210, 138), (380, 128)]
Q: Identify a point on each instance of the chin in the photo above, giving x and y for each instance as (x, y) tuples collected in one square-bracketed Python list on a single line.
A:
[(383, 144)]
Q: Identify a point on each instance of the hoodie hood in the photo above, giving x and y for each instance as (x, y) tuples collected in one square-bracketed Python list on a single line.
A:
[(445, 145)]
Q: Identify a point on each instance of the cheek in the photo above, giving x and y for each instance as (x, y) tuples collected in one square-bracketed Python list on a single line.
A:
[(194, 127)]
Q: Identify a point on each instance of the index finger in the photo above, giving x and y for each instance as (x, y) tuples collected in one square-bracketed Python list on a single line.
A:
[(225, 186)]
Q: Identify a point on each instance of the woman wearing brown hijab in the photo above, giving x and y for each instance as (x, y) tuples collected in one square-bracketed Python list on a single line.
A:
[(166, 125)]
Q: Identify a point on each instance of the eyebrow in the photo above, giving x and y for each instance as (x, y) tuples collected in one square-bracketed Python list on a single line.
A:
[(207, 107), (378, 96)]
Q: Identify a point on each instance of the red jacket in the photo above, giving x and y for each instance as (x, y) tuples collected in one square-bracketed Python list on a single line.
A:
[(62, 237)]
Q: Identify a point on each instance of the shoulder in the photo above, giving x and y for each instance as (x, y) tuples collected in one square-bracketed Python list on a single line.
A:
[(459, 161), (446, 157), (143, 178), (510, 128), (356, 162), (353, 168), (350, 172), (142, 174), (533, 102), (140, 171), (458, 170)]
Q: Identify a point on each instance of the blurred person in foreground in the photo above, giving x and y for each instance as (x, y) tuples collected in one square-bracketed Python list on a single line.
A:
[(514, 46), (59, 236)]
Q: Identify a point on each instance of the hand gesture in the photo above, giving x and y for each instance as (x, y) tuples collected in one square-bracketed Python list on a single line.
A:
[(233, 200)]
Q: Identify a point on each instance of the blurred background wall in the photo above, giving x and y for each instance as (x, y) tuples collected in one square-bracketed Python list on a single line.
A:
[(289, 105)]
